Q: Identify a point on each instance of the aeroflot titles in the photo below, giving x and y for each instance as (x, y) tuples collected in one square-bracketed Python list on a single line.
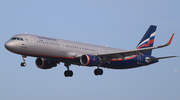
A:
[(47, 38)]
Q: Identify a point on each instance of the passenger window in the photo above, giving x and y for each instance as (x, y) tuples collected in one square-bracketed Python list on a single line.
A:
[(18, 38), (21, 39)]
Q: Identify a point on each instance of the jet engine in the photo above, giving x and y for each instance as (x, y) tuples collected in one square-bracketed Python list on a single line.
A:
[(43, 63), (89, 60)]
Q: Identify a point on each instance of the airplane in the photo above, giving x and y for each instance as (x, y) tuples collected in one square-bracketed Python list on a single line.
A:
[(52, 51)]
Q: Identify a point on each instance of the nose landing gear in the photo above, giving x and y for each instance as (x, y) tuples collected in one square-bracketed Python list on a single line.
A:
[(23, 64)]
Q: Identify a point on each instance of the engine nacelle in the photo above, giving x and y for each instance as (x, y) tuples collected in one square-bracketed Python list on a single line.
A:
[(43, 63), (89, 60)]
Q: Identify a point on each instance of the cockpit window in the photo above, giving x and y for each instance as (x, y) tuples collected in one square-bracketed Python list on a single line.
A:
[(13, 38), (17, 38)]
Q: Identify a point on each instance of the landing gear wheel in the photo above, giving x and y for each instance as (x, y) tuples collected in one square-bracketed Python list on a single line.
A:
[(23, 64), (68, 73), (98, 71)]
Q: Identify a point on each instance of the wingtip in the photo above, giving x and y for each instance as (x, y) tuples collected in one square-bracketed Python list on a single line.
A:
[(171, 39)]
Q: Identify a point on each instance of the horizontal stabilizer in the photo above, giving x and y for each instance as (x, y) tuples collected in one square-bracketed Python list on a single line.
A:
[(150, 59)]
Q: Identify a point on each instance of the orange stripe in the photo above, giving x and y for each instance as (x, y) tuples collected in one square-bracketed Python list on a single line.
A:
[(171, 39), (43, 63), (88, 60)]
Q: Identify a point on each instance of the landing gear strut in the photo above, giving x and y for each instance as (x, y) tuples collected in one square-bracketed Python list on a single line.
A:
[(23, 64), (98, 71), (68, 73)]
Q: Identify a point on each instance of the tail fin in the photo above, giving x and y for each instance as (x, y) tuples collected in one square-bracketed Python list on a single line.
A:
[(148, 39)]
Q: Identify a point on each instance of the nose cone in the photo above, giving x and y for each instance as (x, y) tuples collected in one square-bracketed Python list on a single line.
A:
[(9, 45)]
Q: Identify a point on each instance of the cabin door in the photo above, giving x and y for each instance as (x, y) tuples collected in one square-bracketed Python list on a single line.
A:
[(62, 45), (31, 40)]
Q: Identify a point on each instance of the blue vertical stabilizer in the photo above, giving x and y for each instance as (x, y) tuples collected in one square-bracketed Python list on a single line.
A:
[(148, 39)]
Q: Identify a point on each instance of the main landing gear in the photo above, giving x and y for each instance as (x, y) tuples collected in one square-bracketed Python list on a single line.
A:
[(98, 71), (23, 64), (68, 73)]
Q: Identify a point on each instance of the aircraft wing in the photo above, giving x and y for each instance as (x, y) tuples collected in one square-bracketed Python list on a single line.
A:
[(123, 54)]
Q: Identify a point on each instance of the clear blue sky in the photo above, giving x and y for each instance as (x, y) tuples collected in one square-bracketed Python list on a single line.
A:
[(117, 23)]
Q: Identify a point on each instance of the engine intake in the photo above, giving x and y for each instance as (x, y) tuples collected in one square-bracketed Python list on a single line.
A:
[(89, 60), (43, 63)]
